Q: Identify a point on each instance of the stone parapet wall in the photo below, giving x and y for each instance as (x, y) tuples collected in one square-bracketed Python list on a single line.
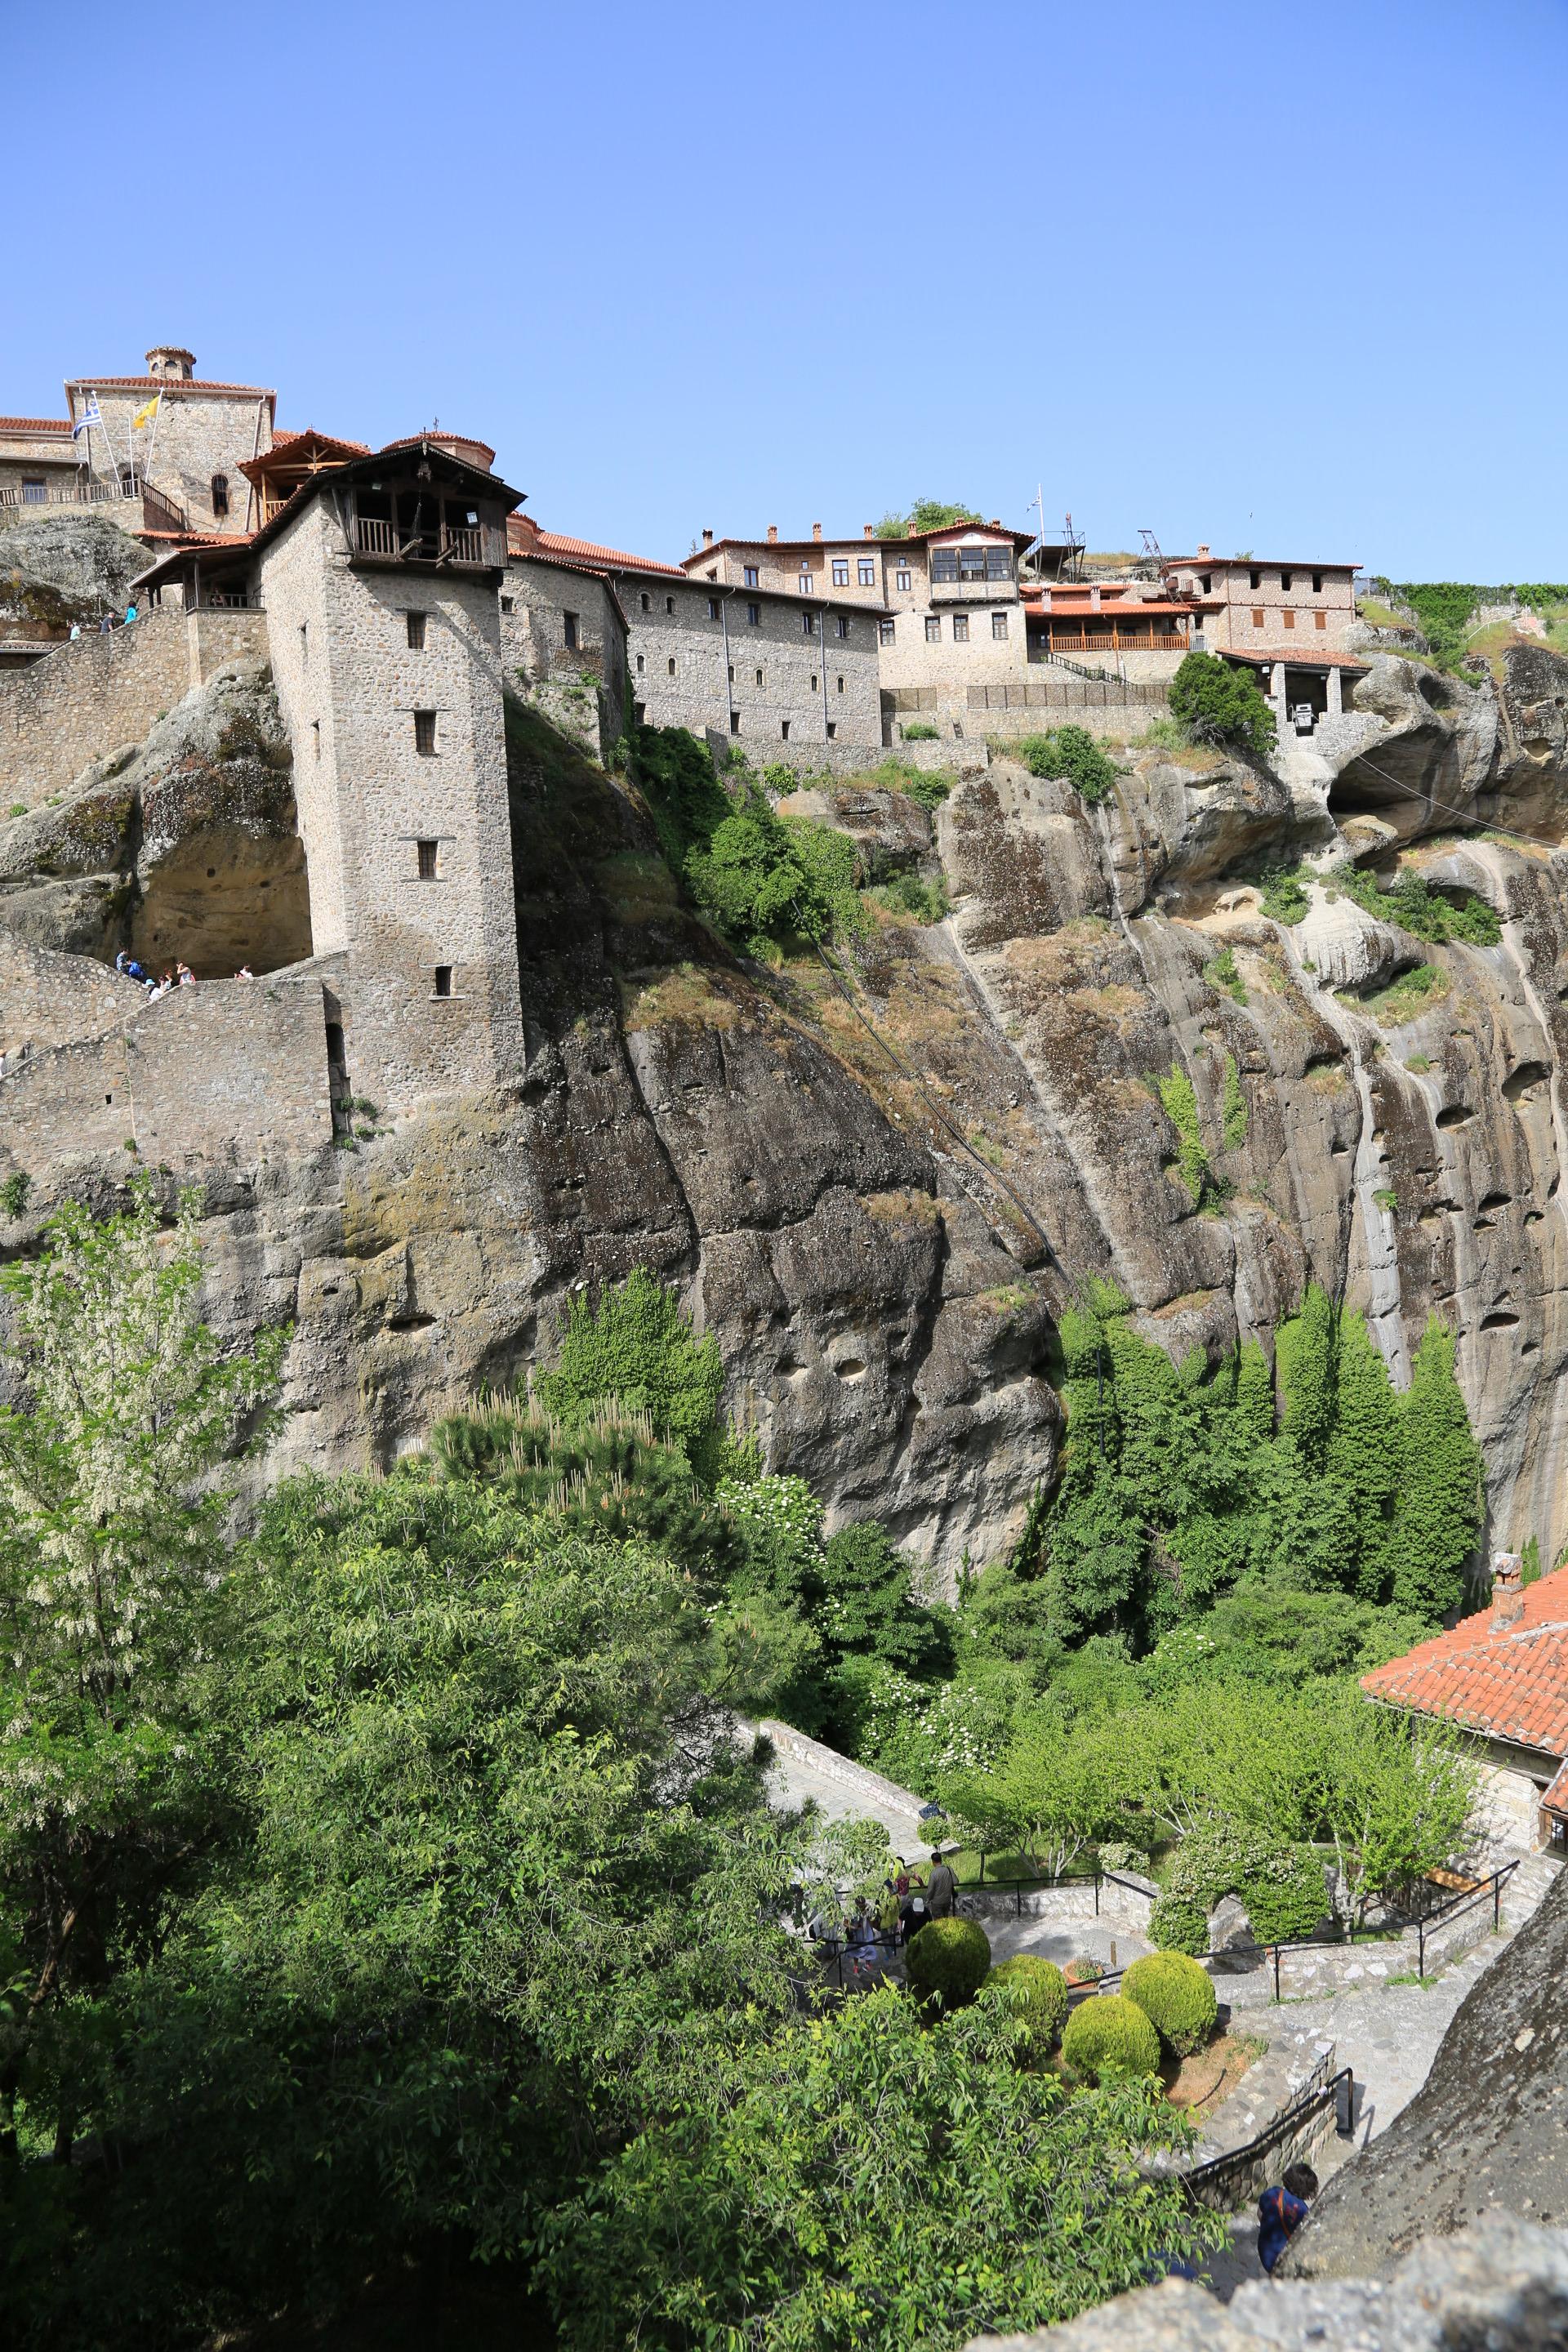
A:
[(85, 700), (226, 1072), (47, 999), (845, 759), (95, 694)]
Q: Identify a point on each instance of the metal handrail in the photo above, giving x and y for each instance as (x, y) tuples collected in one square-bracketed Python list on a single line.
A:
[(1316, 2092)]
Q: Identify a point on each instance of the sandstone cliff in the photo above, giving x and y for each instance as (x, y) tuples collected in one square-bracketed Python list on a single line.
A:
[(877, 1197)]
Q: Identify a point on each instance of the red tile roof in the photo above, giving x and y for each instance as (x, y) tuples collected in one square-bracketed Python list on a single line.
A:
[(843, 543), (1556, 1796), (525, 537), (162, 384), (1511, 1681), (281, 441), (34, 424)]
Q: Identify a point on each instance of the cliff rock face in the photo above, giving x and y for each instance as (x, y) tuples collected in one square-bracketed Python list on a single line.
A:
[(877, 1197)]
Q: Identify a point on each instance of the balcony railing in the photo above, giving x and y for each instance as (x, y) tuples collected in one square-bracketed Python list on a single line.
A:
[(1116, 641), (160, 511), (479, 546)]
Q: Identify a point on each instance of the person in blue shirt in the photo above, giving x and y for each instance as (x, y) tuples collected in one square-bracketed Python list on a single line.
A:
[(1282, 2210)]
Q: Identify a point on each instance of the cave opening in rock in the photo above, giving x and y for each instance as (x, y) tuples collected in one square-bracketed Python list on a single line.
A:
[(221, 903)]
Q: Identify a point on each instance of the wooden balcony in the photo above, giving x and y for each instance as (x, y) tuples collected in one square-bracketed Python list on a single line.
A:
[(479, 549), (1112, 640)]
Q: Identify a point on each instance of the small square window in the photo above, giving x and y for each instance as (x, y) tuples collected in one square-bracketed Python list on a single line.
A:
[(867, 569), (759, 677), (841, 686), (784, 730), (1257, 616), (1286, 580), (753, 616), (443, 979), (427, 850), (752, 578), (961, 628), (509, 603), (642, 663), (1289, 617), (885, 632), (712, 608), (843, 625), (998, 625), (841, 572), (424, 730), (569, 624), (933, 629), (1319, 620), (832, 729), (1316, 583)]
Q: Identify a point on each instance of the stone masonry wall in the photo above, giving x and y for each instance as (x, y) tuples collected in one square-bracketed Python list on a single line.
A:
[(91, 695), (678, 666), (86, 699), (226, 1072), (582, 688), (47, 999), (199, 434)]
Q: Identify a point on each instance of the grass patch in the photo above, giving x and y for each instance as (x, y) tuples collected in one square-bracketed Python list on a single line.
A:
[(686, 993), (1405, 998), (1223, 974)]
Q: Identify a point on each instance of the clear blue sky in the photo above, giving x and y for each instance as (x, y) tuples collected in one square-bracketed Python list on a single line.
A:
[(1285, 278)]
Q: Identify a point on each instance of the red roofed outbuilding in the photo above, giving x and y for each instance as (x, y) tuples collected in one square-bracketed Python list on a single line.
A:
[(1502, 1678)]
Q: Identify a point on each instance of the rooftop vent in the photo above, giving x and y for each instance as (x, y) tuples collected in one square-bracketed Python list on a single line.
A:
[(1508, 1588), (168, 360)]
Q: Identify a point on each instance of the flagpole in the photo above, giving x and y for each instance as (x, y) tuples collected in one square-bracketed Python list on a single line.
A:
[(153, 445)]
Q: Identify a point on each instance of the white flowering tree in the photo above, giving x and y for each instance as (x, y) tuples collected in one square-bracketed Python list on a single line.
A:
[(112, 1608)]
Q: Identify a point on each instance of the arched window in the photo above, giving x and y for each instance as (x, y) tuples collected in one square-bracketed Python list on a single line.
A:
[(220, 494)]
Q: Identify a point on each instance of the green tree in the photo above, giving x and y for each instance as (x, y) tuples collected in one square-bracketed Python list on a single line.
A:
[(1055, 1790), (788, 2221), (1439, 1510), (634, 1348), (1221, 704), (114, 1606), (926, 514), (1071, 753)]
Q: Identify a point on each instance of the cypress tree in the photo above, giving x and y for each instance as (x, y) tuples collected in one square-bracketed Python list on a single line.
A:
[(1364, 1453), (1438, 1515)]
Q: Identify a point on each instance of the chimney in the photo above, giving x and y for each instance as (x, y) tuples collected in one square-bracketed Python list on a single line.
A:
[(773, 534), (1508, 1590), (870, 529), (707, 536), (1202, 550), (817, 530), (172, 364), (996, 523)]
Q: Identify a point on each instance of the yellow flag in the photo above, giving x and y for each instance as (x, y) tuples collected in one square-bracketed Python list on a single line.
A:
[(145, 414)]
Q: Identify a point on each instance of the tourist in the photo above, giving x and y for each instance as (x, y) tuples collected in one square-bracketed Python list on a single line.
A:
[(135, 971), (187, 977), (860, 1935), (912, 1912), (129, 613), (75, 631), (1282, 2210), (105, 625), (245, 972), (941, 1889), (120, 961)]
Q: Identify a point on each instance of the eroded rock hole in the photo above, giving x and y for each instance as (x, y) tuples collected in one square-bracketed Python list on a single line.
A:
[(1500, 1319), (1489, 1201), (1455, 1115), (850, 1369), (1523, 1085)]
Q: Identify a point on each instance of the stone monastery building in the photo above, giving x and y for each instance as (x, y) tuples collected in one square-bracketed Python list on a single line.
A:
[(399, 596)]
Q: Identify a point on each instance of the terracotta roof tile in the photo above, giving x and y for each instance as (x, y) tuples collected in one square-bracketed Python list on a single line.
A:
[(163, 384), (525, 537), (1511, 1681), (34, 424)]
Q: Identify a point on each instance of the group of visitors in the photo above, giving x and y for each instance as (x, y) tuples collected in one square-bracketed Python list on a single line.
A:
[(108, 621), (871, 1929), (182, 976)]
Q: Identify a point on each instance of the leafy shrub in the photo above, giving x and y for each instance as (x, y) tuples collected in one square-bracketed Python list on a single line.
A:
[(1222, 973), (1179, 1924), (1281, 1885), (1177, 1996), (1221, 705), (1072, 753), (635, 1346), (1181, 1105), (1036, 1992), (13, 1193), (1118, 1856), (1285, 894), (949, 1961), (1108, 2036), (1426, 914), (919, 730), (907, 894), (926, 514), (927, 787)]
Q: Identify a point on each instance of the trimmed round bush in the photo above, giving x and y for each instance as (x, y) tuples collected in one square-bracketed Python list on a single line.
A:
[(1109, 2035), (1177, 1924), (1175, 1996), (1037, 1992), (949, 1961)]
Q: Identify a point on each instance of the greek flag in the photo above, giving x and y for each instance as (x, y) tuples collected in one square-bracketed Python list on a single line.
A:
[(89, 416)]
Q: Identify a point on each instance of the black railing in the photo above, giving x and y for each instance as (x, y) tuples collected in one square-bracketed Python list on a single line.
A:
[(1489, 1889), (1044, 1882), (1208, 2184), (1469, 1898)]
